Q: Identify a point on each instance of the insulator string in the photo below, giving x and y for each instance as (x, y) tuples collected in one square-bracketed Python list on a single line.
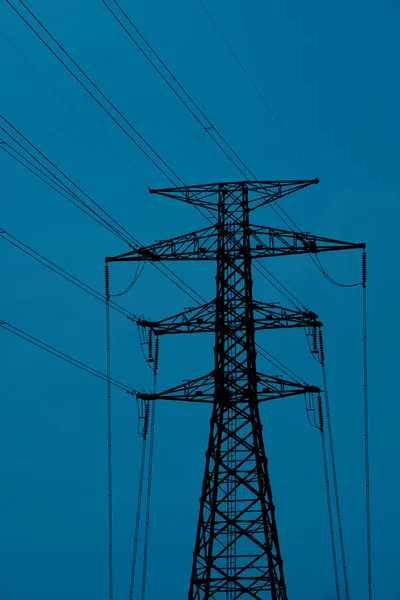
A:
[(320, 413), (150, 347), (146, 420)]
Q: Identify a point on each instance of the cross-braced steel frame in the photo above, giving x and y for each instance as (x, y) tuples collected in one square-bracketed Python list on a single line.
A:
[(237, 552)]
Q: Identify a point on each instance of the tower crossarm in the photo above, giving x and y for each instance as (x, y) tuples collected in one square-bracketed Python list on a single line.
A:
[(205, 389), (271, 387), (197, 245), (260, 192), (265, 242), (268, 241), (193, 390), (201, 319)]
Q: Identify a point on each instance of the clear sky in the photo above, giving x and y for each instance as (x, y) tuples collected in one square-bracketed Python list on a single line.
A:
[(330, 74)]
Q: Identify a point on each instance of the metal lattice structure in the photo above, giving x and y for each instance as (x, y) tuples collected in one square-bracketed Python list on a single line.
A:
[(237, 552)]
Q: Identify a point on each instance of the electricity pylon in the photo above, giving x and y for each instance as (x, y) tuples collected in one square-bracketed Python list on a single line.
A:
[(237, 552)]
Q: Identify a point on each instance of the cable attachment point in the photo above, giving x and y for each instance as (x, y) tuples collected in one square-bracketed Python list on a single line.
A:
[(321, 348), (107, 282), (146, 420), (364, 268), (320, 413)]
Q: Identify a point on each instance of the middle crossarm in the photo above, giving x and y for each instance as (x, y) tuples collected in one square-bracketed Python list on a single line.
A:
[(265, 242)]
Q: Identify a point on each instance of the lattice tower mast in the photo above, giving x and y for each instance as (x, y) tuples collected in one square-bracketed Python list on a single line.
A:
[(237, 553)]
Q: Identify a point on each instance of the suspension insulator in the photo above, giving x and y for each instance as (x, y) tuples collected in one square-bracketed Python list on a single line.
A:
[(320, 412), (107, 282), (157, 350), (150, 346), (146, 420), (314, 340), (364, 268), (321, 347)]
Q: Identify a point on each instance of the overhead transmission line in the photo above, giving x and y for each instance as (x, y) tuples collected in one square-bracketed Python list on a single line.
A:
[(149, 478), (206, 128), (190, 104), (329, 504), (181, 93), (178, 90), (65, 357), (98, 96), (198, 114), (40, 258), (256, 88), (53, 177), (49, 173), (366, 428), (109, 437), (278, 364), (43, 260), (233, 157), (73, 110), (207, 125), (176, 87), (43, 168), (333, 465)]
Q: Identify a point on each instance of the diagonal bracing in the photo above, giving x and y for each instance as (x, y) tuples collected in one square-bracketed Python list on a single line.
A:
[(237, 552)]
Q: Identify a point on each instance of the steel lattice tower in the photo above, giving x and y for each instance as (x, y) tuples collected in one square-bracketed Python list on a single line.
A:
[(237, 553)]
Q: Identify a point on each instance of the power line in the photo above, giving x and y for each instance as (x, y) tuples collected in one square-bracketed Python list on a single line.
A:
[(333, 465), (65, 357), (95, 98), (73, 110), (194, 110), (40, 258), (257, 90), (286, 293), (77, 114), (208, 127), (330, 513), (366, 428), (204, 121), (330, 279), (137, 522), (3, 323), (43, 177), (192, 107), (277, 363), (150, 474), (109, 439), (48, 173), (56, 183)]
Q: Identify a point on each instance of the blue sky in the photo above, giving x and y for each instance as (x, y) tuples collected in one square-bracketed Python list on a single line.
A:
[(329, 74)]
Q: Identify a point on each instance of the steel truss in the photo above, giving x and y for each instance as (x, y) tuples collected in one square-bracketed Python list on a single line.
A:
[(237, 553)]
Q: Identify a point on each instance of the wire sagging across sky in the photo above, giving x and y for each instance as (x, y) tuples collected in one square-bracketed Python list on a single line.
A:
[(95, 92), (29, 156), (65, 357)]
